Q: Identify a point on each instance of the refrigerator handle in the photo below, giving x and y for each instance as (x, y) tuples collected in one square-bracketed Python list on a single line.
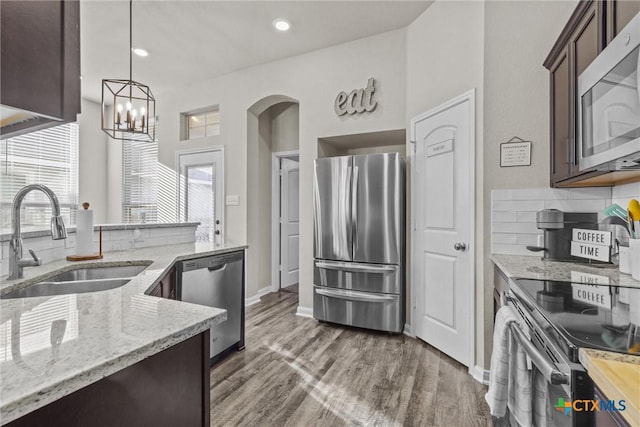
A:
[(354, 295), (351, 267), (354, 206), (348, 207)]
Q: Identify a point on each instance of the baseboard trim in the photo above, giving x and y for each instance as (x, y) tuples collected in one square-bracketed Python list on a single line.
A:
[(256, 298), (304, 312), (408, 331), (480, 375)]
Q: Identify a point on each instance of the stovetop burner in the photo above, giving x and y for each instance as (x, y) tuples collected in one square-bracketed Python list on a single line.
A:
[(593, 316)]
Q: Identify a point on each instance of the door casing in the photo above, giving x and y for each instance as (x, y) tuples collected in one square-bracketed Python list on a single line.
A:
[(275, 214)]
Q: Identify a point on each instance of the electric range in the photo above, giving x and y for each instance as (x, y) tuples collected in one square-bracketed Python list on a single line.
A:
[(576, 315)]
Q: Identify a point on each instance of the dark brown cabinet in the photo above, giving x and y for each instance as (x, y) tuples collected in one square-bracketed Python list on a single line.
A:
[(590, 27), (166, 287), (500, 287), (170, 388), (39, 64), (618, 14)]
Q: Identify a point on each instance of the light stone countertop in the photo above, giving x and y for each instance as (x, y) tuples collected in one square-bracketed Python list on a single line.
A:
[(530, 267), (101, 332)]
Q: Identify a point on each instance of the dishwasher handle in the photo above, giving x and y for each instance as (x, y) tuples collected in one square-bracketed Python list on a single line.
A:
[(219, 267)]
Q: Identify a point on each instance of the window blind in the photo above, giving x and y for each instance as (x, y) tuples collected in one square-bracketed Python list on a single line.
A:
[(140, 179), (48, 157)]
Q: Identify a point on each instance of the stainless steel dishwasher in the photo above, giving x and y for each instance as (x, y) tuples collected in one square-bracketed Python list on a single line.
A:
[(217, 281)]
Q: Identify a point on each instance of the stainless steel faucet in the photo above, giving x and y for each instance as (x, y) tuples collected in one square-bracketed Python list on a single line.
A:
[(58, 231)]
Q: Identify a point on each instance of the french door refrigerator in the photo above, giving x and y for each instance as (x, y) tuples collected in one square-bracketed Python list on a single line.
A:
[(359, 236)]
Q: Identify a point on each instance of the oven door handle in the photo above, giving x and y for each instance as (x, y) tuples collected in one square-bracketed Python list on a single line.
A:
[(548, 371)]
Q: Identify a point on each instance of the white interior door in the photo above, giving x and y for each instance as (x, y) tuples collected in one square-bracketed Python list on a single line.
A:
[(289, 222), (200, 192), (443, 215)]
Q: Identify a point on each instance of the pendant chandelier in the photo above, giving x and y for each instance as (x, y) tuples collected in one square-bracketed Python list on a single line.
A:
[(128, 107)]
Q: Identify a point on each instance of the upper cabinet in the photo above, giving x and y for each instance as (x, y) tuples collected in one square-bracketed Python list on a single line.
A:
[(591, 26), (39, 64), (619, 13)]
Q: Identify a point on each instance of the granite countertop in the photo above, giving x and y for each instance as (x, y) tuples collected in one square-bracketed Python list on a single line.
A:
[(618, 376), (530, 267), (96, 333)]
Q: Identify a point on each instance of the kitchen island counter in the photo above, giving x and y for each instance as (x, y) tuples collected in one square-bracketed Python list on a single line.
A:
[(55, 345)]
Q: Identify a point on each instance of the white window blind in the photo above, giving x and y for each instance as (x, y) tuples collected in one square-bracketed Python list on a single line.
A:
[(140, 181), (48, 157)]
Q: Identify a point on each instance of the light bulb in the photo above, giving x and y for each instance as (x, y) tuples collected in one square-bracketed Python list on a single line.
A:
[(119, 107), (143, 111), (134, 113), (128, 106)]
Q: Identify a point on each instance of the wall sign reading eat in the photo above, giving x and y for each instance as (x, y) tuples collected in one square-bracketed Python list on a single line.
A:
[(357, 101)]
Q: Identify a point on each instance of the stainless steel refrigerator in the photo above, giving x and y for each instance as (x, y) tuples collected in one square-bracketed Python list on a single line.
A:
[(359, 241)]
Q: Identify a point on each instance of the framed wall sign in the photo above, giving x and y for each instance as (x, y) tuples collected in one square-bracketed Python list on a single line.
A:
[(515, 152)]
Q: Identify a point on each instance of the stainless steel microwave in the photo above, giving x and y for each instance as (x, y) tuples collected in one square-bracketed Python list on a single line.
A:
[(608, 131)]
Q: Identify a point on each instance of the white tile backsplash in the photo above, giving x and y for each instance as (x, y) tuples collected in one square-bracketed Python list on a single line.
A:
[(505, 216), (621, 194), (578, 205), (515, 227), (526, 216), (517, 205), (540, 194), (112, 240), (504, 238), (513, 212)]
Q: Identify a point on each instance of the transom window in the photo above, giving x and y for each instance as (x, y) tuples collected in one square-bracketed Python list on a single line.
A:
[(201, 123)]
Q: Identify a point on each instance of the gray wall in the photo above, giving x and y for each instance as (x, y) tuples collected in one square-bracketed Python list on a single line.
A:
[(516, 103)]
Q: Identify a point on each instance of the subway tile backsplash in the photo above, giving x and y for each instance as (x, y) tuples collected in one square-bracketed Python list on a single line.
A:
[(112, 240), (513, 212)]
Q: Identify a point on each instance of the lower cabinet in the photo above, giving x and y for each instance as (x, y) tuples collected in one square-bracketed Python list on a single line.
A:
[(500, 286), (170, 388), (607, 418), (166, 287)]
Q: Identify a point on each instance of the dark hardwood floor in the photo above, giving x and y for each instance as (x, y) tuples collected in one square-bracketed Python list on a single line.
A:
[(299, 372)]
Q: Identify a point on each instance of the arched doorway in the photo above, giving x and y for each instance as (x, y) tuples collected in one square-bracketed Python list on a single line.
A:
[(272, 147)]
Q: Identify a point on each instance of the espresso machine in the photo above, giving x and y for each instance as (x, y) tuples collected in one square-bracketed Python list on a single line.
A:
[(558, 231)]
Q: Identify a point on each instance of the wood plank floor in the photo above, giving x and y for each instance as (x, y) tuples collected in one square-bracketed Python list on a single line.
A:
[(299, 372)]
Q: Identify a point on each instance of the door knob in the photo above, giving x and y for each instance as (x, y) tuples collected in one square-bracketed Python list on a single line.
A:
[(459, 246)]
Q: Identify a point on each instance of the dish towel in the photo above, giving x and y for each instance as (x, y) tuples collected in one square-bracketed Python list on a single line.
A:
[(520, 400), (541, 402), (509, 377)]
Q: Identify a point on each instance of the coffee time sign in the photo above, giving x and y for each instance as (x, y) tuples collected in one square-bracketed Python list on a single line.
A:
[(357, 101)]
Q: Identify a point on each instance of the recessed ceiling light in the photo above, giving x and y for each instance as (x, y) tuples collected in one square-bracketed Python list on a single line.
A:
[(140, 51), (281, 24)]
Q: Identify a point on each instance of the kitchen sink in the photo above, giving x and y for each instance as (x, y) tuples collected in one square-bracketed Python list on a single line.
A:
[(98, 273), (80, 280)]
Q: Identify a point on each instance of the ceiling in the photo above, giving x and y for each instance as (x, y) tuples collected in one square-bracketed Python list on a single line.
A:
[(190, 41)]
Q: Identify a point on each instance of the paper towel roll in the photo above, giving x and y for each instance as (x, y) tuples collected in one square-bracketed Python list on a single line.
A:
[(84, 232)]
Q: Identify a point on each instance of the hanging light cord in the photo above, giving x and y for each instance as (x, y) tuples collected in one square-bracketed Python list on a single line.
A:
[(130, 39)]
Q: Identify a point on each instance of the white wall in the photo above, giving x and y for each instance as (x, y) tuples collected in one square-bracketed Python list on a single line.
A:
[(445, 58), (93, 162), (313, 79)]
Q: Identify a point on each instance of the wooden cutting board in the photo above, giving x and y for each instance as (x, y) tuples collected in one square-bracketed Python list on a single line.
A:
[(618, 376)]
